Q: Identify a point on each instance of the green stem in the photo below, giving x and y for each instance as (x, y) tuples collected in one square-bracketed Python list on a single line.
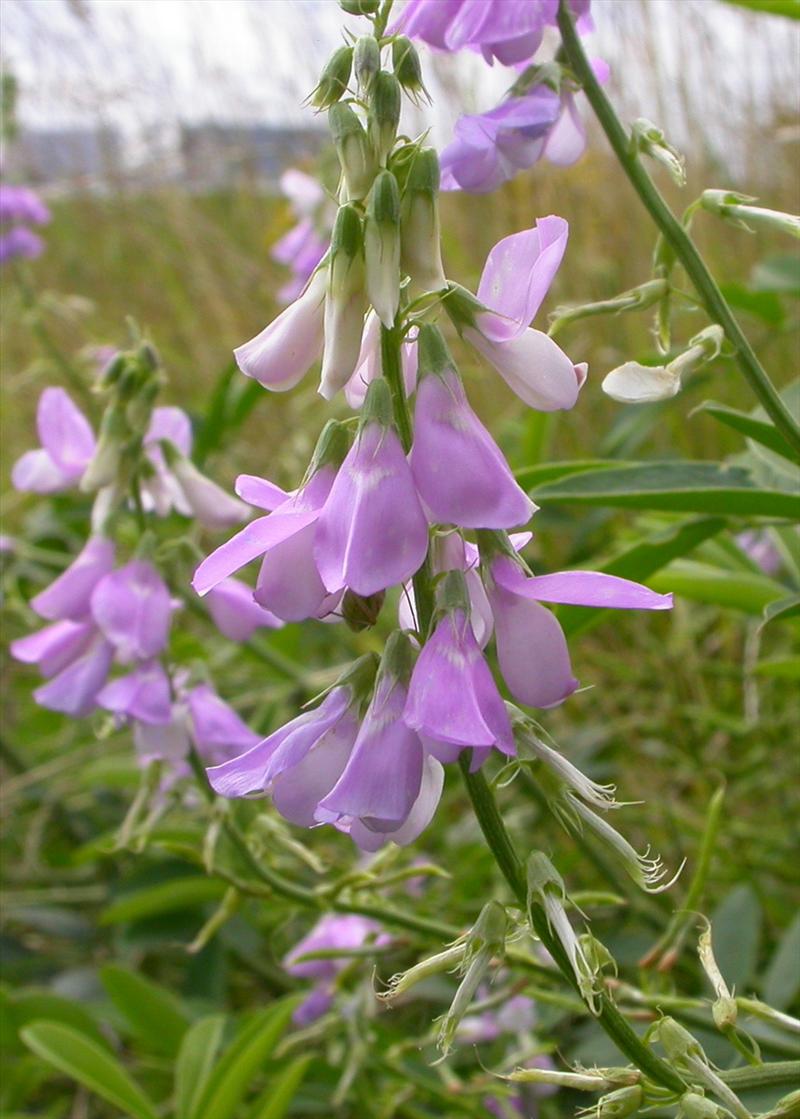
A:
[(674, 233), (617, 1027), (763, 1076)]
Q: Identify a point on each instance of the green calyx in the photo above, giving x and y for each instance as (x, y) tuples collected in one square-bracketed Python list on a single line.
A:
[(360, 679), (366, 61), (383, 206), (397, 661), (347, 238), (406, 66), (434, 356), (334, 78), (493, 543), (360, 7), (542, 877), (377, 406), (452, 593), (331, 449), (423, 174)]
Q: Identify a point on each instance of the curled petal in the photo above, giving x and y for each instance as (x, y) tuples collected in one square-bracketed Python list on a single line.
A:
[(74, 690), (143, 694), (517, 276), (537, 370), (260, 492), (580, 588)]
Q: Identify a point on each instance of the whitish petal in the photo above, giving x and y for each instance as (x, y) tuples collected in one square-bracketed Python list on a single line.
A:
[(537, 370), (517, 275), (285, 350)]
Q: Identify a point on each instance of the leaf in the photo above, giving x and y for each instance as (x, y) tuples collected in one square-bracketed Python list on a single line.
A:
[(780, 274), (781, 668), (277, 1097), (735, 932), (746, 424), (781, 980), (764, 305), (681, 487), (27, 1007), (195, 1061), (788, 8), (641, 561), (163, 897), (717, 586), (540, 473), (242, 1060), (82, 1059), (784, 608), (151, 1011)]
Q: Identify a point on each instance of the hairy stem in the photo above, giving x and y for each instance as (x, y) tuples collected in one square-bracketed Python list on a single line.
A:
[(674, 233)]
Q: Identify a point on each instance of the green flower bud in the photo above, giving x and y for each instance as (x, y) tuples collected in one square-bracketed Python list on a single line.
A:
[(344, 303), (649, 139), (384, 114), (334, 78), (620, 1104), (382, 247), (485, 940), (105, 463), (353, 150), (366, 61), (361, 612), (420, 244), (360, 7), (737, 208), (407, 68)]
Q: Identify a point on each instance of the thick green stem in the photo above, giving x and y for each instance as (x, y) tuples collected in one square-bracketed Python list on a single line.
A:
[(617, 1027), (674, 233)]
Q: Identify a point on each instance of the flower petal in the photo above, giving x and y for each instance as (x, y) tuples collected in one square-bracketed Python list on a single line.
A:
[(537, 370), (36, 472), (133, 607), (297, 792), (74, 690), (64, 432), (218, 731), (517, 276), (288, 583), (286, 349), (254, 540), (69, 595), (235, 612), (260, 492), (143, 694), (53, 648)]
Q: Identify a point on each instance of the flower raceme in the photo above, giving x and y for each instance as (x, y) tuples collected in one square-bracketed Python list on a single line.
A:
[(20, 208)]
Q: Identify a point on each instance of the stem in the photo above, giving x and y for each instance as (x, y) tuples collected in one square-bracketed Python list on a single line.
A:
[(617, 1027), (764, 1076), (674, 233)]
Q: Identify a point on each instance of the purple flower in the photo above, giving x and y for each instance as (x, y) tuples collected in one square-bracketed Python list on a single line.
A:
[(301, 249), (143, 695), (508, 30), (368, 365), (459, 471), (132, 607), (69, 596), (236, 613), (372, 531), (515, 280), (19, 208), (74, 689), (531, 647), (199, 716), (67, 445), (453, 701)]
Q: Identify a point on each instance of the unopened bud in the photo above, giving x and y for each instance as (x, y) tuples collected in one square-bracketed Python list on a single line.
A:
[(407, 68), (616, 1105), (360, 7), (104, 465), (353, 150), (344, 302), (738, 208), (636, 299), (695, 1106), (678, 1043), (384, 114), (649, 139), (433, 965), (366, 61), (579, 1080), (421, 252), (334, 78), (361, 612), (382, 247)]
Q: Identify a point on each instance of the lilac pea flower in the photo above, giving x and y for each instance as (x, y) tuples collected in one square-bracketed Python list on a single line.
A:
[(372, 532), (217, 730), (420, 814), (67, 445), (235, 612), (531, 646), (515, 280), (453, 701), (382, 779), (143, 694), (20, 242), (55, 647), (208, 502), (299, 763), (74, 690), (69, 596), (132, 607), (509, 30), (19, 208), (286, 349), (459, 471), (368, 365), (302, 190), (490, 148)]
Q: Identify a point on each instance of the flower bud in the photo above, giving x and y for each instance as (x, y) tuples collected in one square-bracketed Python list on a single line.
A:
[(384, 114), (485, 940), (736, 208), (695, 1106), (353, 150), (361, 612), (360, 7), (105, 463), (366, 61), (620, 1104), (421, 253), (334, 78), (345, 302), (649, 139), (407, 68), (382, 247)]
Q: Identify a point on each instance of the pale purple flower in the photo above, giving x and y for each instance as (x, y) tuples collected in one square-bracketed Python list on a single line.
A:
[(206, 501), (67, 445), (143, 695), (286, 349), (198, 717), (453, 701), (331, 932), (55, 647), (236, 613), (515, 280), (531, 647), (74, 690), (302, 190), (19, 208), (372, 532), (297, 764), (508, 30), (758, 547), (459, 471), (301, 249), (364, 834), (132, 607), (69, 596)]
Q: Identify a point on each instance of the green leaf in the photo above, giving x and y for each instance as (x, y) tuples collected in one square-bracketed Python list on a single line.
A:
[(242, 1060), (540, 473), (277, 1097), (760, 431), (735, 933), (34, 1006), (780, 274), (764, 305), (680, 487), (82, 1059), (717, 586), (195, 1061), (641, 561), (784, 608), (163, 897), (781, 668), (782, 977), (788, 8), (152, 1012)]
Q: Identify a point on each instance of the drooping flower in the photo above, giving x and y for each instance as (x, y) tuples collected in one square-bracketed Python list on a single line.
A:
[(69, 596), (372, 532), (302, 248), (236, 613), (20, 207), (515, 279), (459, 471), (531, 646), (289, 584), (453, 701), (132, 607), (143, 695), (197, 717), (67, 445)]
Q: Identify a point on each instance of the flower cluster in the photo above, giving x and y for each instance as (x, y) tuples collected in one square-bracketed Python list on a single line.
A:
[(20, 208), (393, 506)]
